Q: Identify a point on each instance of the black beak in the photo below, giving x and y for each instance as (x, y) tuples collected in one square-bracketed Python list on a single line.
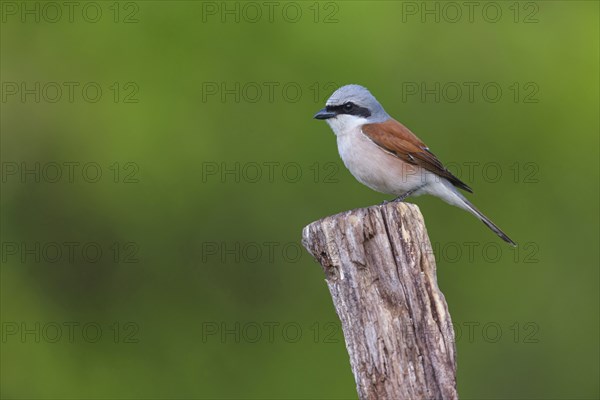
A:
[(324, 114)]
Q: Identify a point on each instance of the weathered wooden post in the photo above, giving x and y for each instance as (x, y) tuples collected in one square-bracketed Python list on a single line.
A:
[(381, 275)]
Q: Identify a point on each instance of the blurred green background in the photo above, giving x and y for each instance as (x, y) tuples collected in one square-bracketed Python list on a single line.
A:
[(211, 164)]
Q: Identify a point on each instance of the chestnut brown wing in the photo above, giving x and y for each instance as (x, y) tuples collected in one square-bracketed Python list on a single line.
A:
[(397, 139)]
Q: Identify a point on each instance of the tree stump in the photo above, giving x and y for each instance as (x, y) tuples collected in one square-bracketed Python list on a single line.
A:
[(381, 274)]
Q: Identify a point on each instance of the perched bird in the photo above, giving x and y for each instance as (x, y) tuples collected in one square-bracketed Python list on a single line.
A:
[(386, 156)]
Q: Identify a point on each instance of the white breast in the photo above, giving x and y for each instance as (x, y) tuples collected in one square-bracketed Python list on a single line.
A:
[(376, 168)]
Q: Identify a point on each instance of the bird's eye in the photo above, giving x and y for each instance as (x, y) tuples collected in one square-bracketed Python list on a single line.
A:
[(348, 106)]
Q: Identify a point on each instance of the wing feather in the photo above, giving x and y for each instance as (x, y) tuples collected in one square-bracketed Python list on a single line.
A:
[(397, 139)]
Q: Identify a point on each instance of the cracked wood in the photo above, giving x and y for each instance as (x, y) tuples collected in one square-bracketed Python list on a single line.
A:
[(381, 274)]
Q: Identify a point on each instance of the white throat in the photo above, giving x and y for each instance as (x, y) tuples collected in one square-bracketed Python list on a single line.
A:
[(343, 124)]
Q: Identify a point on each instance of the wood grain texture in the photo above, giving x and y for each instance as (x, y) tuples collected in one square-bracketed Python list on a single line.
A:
[(381, 274)]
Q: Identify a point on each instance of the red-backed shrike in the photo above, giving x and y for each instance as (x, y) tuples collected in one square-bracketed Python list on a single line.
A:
[(386, 156)]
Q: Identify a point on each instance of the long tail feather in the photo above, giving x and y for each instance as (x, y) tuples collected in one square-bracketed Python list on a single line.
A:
[(470, 207)]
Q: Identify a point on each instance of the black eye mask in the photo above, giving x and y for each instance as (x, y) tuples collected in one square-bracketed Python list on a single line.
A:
[(350, 109)]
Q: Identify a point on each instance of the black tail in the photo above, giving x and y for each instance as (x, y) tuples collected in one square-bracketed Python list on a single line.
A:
[(470, 207)]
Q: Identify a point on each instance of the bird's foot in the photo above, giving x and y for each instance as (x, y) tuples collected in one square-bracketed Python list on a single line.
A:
[(397, 199), (403, 197)]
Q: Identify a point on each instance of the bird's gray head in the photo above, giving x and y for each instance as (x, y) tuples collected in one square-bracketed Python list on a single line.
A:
[(352, 105)]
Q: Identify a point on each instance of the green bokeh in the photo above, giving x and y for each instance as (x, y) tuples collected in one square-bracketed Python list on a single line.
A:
[(178, 297)]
